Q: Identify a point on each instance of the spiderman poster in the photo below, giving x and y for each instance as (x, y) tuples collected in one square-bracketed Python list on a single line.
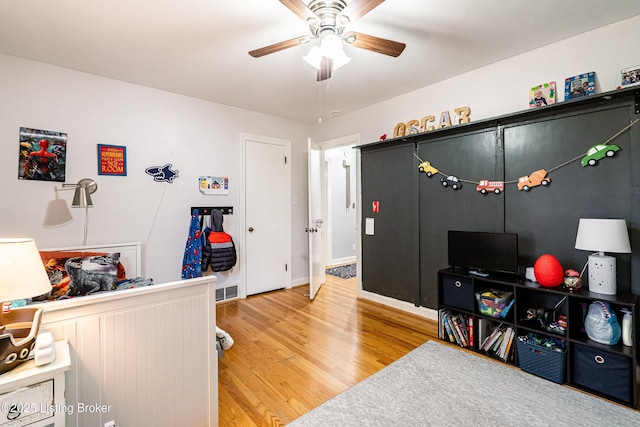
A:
[(42, 155)]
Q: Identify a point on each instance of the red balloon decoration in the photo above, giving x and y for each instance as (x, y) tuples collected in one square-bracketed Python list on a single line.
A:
[(548, 271)]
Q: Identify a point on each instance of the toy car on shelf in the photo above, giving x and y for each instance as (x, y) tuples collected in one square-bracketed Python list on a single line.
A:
[(451, 181), (485, 186), (536, 178), (427, 168), (598, 152)]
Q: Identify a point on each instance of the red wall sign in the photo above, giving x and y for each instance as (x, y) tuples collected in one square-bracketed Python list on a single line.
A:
[(112, 160)]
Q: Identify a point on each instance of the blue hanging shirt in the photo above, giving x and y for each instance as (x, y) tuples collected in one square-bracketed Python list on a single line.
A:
[(192, 261)]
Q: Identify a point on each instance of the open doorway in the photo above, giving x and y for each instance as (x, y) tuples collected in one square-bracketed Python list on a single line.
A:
[(340, 206)]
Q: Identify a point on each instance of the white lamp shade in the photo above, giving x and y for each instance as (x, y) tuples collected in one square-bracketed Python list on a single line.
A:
[(22, 274), (603, 235), (57, 215)]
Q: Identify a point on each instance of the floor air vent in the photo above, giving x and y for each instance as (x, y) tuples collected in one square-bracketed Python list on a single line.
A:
[(224, 294)]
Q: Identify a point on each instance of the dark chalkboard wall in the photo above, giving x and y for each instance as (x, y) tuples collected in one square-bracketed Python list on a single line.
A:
[(390, 256), (418, 211)]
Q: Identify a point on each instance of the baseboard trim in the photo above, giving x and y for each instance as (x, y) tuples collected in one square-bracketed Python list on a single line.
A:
[(341, 261), (301, 281), (425, 312)]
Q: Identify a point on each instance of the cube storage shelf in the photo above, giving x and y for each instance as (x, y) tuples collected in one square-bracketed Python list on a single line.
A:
[(608, 371)]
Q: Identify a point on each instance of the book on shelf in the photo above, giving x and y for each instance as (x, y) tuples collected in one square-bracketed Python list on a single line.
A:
[(485, 327), (492, 338), (461, 330), (509, 346), (455, 327), (448, 329), (506, 339), (496, 346)]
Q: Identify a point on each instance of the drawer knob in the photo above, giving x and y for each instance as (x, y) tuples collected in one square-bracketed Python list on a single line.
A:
[(457, 283), (599, 359)]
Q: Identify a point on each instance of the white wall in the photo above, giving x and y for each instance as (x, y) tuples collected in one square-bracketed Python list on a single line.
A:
[(197, 137), (341, 218), (200, 138), (503, 87)]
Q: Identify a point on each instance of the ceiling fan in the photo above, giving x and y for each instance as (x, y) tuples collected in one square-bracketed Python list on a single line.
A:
[(327, 20)]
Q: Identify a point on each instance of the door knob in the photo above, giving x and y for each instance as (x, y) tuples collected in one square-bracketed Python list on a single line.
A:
[(250, 229)]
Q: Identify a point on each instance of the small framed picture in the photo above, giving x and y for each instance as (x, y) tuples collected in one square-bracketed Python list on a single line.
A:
[(629, 76), (43, 155), (542, 95), (580, 86), (112, 160)]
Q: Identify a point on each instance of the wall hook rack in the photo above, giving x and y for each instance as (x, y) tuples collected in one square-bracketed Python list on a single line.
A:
[(206, 210)]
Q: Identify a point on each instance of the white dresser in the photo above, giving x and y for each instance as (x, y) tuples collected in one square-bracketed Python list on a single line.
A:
[(33, 395)]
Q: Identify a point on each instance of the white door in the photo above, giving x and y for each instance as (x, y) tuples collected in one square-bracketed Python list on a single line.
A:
[(316, 228), (267, 223)]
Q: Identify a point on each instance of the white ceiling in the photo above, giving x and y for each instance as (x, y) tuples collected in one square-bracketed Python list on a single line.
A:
[(199, 47)]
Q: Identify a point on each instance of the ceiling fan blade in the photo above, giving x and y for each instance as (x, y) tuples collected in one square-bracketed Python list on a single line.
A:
[(358, 8), (375, 44), (276, 47), (326, 64), (299, 8)]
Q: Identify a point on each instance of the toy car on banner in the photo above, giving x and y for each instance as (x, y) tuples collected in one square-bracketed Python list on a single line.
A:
[(536, 178), (598, 152), (427, 168), (451, 181), (484, 186)]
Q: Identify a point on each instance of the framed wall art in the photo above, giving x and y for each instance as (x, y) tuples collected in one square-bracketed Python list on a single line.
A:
[(42, 155), (214, 185), (629, 77), (112, 160), (580, 85), (542, 95)]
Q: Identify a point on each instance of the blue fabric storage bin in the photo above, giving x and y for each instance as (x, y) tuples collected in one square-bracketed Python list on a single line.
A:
[(603, 371), (457, 292), (541, 361)]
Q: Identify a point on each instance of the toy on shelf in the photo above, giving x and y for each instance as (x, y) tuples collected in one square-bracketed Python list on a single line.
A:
[(548, 271), (572, 280)]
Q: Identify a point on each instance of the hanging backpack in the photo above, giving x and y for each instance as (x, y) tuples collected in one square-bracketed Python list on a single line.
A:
[(218, 248)]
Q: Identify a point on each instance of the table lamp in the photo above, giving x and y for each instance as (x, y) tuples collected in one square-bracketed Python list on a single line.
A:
[(602, 235), (22, 275)]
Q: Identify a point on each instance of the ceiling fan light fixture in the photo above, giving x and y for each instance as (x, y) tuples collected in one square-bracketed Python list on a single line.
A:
[(314, 57), (331, 45), (339, 59)]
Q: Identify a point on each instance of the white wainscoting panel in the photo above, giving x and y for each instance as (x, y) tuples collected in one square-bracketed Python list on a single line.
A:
[(147, 359)]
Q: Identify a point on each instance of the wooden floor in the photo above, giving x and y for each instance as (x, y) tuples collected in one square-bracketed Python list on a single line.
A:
[(292, 354)]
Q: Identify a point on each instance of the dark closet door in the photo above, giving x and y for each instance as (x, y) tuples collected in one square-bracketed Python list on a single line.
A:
[(546, 218), (390, 255), (469, 157)]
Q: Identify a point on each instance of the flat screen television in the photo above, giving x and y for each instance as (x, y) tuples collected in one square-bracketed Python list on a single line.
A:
[(484, 252)]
